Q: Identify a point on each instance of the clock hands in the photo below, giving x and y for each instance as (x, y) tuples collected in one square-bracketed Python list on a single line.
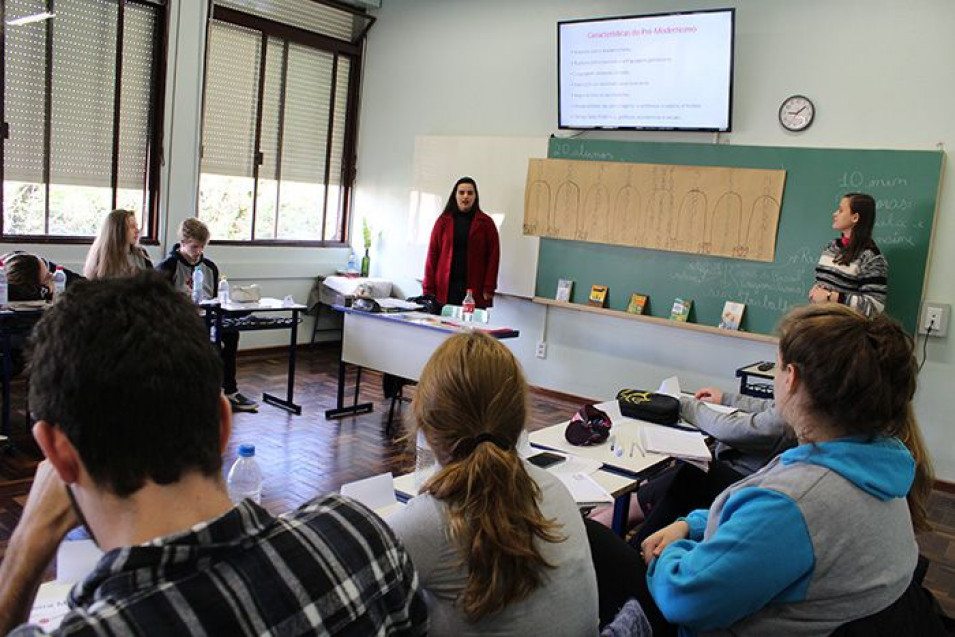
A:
[(799, 111)]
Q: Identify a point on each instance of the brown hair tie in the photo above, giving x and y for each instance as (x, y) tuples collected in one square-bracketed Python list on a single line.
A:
[(466, 447)]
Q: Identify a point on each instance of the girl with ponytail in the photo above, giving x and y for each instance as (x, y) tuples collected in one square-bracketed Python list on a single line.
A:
[(499, 545)]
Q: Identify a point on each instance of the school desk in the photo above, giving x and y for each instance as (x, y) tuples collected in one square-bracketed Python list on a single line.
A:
[(397, 343)]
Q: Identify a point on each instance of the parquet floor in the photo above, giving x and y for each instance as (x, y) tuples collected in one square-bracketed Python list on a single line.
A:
[(302, 456)]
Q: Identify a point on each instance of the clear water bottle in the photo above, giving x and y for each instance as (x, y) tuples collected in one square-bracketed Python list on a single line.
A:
[(353, 262), (197, 281), (4, 287), (224, 293), (467, 308), (245, 477), (424, 461), (59, 283)]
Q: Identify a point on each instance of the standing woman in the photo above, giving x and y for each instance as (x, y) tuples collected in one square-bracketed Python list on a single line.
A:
[(851, 270), (116, 251), (464, 250), (498, 544)]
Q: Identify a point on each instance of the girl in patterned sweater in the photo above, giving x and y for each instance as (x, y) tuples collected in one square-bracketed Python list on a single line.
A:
[(851, 269)]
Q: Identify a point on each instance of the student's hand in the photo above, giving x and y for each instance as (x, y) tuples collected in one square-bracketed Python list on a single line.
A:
[(819, 294), (48, 515), (654, 545), (709, 395)]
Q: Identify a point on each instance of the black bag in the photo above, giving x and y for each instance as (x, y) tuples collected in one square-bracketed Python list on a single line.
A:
[(650, 406)]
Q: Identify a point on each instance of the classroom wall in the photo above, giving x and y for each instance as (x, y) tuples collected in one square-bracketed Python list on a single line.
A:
[(877, 70)]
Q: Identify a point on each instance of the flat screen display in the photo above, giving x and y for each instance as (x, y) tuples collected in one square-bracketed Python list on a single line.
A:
[(669, 71)]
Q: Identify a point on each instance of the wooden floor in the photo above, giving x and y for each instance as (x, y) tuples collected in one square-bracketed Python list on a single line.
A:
[(302, 456)]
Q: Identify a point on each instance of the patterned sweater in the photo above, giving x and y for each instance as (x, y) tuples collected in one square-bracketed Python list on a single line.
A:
[(861, 284)]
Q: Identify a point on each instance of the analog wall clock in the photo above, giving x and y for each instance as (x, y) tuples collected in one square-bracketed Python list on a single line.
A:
[(796, 113)]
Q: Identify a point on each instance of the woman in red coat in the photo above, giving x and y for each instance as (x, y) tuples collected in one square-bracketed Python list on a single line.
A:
[(464, 250)]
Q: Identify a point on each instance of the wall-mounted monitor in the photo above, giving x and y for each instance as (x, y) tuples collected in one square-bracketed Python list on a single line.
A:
[(671, 71)]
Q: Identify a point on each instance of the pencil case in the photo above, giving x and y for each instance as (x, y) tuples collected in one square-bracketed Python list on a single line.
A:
[(650, 406)]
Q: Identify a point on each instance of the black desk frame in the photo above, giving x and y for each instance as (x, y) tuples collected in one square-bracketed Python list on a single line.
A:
[(8, 328), (214, 316)]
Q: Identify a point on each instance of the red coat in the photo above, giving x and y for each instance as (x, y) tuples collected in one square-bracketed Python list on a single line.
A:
[(484, 253)]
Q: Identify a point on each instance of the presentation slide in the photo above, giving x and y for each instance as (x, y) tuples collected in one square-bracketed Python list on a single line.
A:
[(669, 72)]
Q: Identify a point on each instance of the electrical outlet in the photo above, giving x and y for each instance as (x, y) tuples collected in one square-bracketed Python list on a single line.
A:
[(934, 316), (542, 349)]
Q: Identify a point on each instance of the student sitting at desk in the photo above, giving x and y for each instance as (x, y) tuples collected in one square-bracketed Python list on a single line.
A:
[(116, 251), (131, 418), (823, 534), (499, 544), (179, 267), (745, 441), (30, 277)]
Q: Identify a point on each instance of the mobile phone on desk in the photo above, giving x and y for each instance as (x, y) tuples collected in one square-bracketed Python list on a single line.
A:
[(545, 459)]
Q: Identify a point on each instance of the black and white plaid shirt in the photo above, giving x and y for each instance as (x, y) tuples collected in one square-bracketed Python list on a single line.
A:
[(330, 567)]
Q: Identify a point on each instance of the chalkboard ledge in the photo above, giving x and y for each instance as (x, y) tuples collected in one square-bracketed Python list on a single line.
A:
[(655, 320)]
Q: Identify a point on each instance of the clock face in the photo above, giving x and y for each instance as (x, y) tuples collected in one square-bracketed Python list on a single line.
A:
[(796, 113)]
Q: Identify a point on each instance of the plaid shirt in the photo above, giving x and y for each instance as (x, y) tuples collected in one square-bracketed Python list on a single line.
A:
[(330, 567)]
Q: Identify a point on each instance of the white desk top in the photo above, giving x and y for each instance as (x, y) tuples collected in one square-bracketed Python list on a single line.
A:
[(262, 305), (613, 483), (625, 431)]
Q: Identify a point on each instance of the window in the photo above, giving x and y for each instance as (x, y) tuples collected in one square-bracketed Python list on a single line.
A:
[(280, 109), (82, 96)]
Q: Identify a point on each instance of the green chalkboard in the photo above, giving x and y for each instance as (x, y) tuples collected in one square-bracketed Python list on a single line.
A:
[(904, 183)]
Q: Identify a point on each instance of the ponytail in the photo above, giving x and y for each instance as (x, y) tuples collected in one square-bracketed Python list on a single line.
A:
[(471, 405), (921, 488), (494, 518)]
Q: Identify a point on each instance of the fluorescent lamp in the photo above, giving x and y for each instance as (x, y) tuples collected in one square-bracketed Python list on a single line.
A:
[(37, 17)]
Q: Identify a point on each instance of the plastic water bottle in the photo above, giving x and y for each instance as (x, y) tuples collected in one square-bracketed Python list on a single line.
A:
[(245, 477), (353, 262), (4, 287), (197, 279), (59, 283), (424, 461), (224, 293), (467, 308)]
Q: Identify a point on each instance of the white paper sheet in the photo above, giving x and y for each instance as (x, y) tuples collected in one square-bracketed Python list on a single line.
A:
[(50, 607), (676, 443), (584, 489), (671, 387), (75, 559), (377, 493)]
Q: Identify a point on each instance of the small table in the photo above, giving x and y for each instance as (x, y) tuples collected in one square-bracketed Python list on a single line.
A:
[(398, 343), (241, 317), (634, 464), (756, 382)]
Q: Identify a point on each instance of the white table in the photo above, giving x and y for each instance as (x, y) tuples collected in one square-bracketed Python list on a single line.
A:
[(398, 343), (635, 464), (240, 313)]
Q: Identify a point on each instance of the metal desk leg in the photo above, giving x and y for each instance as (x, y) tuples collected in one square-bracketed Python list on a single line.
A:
[(287, 404), (621, 511), (355, 409), (7, 374)]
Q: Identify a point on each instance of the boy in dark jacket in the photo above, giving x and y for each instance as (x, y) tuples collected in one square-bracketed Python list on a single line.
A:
[(179, 266)]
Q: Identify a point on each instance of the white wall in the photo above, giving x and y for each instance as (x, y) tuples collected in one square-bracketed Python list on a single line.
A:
[(878, 71)]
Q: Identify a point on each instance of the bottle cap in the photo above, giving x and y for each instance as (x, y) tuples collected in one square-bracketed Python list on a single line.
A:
[(246, 451)]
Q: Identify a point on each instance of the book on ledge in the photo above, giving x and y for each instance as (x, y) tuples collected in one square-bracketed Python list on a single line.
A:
[(565, 289), (598, 295)]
